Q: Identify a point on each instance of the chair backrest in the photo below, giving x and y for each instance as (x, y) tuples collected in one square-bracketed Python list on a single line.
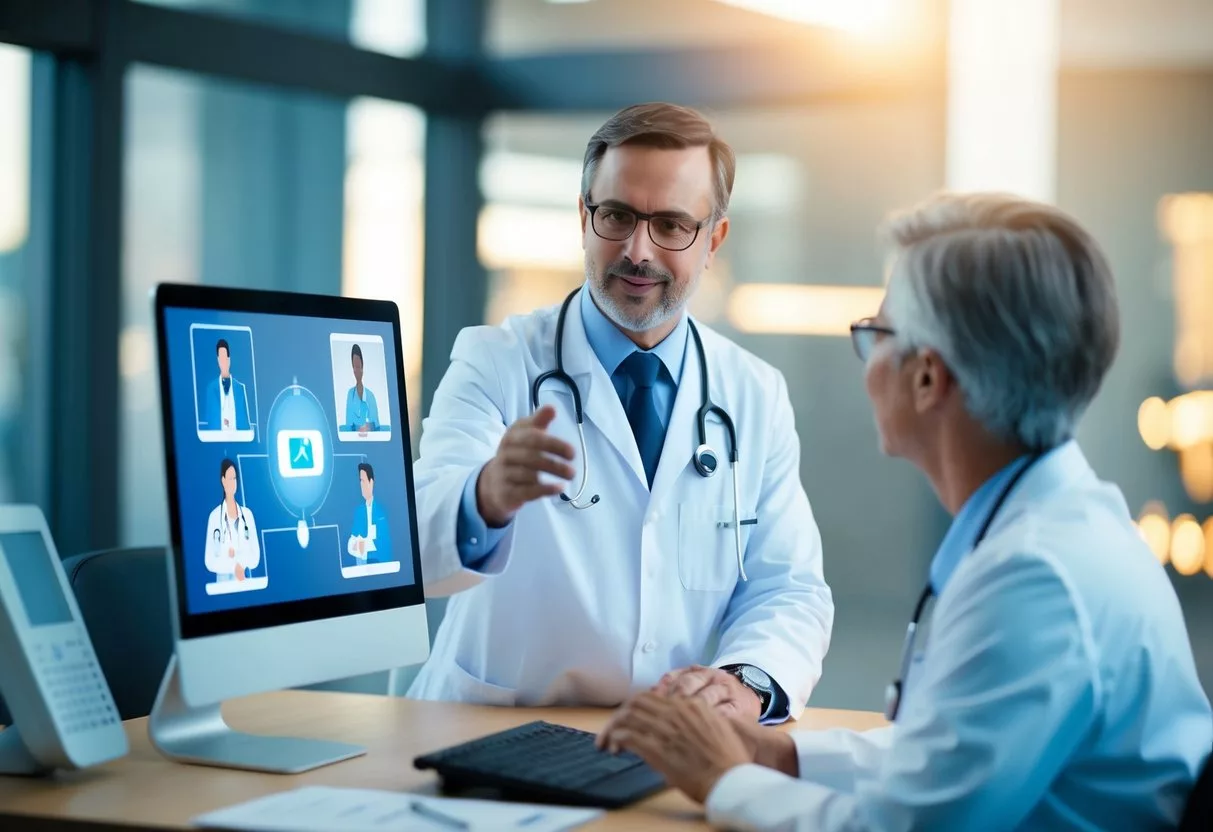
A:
[(124, 600), (1198, 814)]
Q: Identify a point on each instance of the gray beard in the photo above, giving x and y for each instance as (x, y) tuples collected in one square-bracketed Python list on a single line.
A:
[(626, 318)]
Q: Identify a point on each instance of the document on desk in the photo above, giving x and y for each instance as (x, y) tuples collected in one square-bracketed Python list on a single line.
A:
[(325, 808)]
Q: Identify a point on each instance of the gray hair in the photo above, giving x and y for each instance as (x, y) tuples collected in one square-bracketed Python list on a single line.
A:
[(1018, 300), (666, 126)]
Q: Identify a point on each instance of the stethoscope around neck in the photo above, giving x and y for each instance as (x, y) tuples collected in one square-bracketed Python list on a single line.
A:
[(893, 693), (705, 459), (225, 523)]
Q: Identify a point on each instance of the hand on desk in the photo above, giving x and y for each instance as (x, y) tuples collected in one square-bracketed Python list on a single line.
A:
[(691, 743), (718, 688)]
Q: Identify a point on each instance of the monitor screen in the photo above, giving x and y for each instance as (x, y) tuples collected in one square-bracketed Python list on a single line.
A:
[(34, 574), (288, 460)]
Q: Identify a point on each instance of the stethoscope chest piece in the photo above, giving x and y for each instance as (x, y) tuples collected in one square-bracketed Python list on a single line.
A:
[(705, 460)]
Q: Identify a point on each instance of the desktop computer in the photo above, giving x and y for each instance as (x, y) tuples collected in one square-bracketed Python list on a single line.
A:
[(293, 533)]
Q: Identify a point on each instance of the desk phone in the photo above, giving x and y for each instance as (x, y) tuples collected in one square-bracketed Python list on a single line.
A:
[(63, 712)]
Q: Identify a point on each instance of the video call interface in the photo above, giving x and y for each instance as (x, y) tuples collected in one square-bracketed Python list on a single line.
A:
[(289, 462)]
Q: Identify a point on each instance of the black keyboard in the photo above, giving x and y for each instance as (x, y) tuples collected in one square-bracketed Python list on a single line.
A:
[(544, 763)]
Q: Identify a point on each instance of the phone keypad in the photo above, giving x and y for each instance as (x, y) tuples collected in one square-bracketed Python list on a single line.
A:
[(79, 697)]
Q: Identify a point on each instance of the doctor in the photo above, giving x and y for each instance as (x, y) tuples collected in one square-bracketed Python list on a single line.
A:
[(361, 409), (1057, 688), (233, 548), (654, 549), (226, 398)]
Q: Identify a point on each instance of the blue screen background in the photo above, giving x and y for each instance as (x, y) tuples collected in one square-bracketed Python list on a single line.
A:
[(292, 358)]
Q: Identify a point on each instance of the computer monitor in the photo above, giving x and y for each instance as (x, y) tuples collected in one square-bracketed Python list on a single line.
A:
[(293, 534)]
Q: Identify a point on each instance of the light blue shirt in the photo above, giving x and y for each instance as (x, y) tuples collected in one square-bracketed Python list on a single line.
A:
[(1056, 690), (962, 534), (475, 540)]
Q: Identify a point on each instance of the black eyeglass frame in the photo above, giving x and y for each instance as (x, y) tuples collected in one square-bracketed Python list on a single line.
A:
[(863, 336), (637, 216)]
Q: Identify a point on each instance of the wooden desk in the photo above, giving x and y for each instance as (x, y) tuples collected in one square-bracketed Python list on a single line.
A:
[(145, 791)]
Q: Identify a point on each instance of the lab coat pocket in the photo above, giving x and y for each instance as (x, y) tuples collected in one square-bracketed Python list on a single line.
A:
[(462, 686), (707, 547)]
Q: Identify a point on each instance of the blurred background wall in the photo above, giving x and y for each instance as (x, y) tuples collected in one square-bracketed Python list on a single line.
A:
[(429, 152)]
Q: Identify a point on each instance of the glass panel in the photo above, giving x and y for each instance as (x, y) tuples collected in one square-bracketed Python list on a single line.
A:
[(24, 274), (800, 262), (529, 26), (230, 184), (393, 27)]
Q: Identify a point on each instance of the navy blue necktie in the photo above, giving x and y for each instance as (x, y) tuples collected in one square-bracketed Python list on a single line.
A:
[(642, 368)]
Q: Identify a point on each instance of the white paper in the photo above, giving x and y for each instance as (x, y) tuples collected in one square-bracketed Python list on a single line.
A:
[(325, 808)]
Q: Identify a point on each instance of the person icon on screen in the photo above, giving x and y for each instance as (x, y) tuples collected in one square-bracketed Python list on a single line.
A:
[(361, 410), (370, 541), (226, 398), (233, 548)]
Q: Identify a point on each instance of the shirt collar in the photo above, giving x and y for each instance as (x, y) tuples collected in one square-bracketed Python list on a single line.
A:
[(962, 534), (611, 346)]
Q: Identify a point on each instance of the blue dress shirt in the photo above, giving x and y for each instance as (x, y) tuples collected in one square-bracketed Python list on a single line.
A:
[(962, 534)]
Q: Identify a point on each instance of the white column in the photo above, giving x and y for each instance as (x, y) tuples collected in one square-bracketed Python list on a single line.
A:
[(1002, 96)]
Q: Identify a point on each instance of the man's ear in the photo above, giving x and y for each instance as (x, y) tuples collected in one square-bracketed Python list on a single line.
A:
[(932, 380)]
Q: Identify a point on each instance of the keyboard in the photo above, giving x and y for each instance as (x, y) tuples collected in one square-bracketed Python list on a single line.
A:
[(544, 763)]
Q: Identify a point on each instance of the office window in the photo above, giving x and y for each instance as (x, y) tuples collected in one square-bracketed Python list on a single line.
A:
[(237, 185), (24, 274), (393, 27)]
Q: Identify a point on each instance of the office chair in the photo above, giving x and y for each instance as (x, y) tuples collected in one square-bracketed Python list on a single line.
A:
[(123, 598), (1198, 813)]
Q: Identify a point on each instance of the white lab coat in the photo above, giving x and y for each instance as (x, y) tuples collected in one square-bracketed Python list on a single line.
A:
[(222, 533), (1056, 690), (227, 406), (587, 607)]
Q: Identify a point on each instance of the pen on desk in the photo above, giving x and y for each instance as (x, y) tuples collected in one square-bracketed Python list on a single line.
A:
[(529, 819), (438, 817)]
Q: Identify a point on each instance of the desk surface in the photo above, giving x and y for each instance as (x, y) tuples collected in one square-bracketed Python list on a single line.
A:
[(145, 791)]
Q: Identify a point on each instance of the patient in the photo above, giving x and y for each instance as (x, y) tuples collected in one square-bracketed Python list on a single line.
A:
[(1058, 689)]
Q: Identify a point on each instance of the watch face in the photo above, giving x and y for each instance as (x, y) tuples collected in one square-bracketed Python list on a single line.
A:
[(756, 677)]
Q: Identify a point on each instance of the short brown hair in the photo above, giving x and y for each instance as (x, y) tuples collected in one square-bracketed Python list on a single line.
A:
[(667, 126)]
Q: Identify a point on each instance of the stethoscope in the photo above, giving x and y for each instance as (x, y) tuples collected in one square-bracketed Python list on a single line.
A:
[(364, 407), (704, 459), (220, 537), (893, 692)]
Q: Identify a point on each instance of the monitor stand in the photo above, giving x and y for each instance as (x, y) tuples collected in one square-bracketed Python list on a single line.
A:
[(199, 735)]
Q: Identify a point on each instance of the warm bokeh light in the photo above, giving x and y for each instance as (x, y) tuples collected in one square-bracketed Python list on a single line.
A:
[(1186, 220), (1187, 545), (1154, 423), (801, 310), (1209, 546), (1196, 471), (1155, 529), (1191, 419), (524, 237)]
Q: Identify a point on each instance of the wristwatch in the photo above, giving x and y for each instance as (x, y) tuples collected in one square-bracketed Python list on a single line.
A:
[(757, 681)]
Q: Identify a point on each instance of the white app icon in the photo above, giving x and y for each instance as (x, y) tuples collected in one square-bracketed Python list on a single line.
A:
[(300, 453)]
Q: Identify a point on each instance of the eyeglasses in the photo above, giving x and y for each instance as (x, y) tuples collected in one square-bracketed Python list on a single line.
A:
[(616, 224), (864, 334)]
